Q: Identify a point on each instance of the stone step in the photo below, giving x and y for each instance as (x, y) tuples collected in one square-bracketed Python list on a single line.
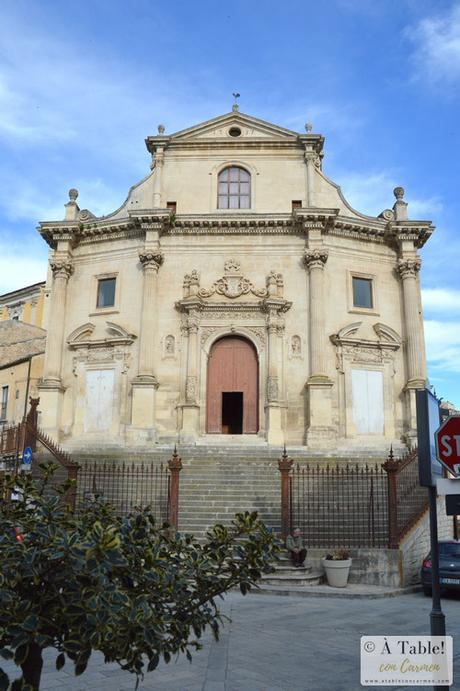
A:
[(295, 580)]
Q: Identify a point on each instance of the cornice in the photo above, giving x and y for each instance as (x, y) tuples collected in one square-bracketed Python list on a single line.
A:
[(416, 231), (300, 222)]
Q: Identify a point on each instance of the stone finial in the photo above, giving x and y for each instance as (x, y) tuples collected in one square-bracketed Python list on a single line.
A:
[(308, 127), (73, 194), (161, 129), (400, 206)]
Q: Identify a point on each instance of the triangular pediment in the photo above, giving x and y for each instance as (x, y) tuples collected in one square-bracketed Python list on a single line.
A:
[(250, 127)]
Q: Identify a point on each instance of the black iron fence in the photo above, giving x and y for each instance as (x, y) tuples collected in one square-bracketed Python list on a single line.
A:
[(352, 505), (340, 506), (127, 485)]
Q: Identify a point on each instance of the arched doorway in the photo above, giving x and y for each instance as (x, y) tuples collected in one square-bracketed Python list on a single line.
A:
[(232, 387)]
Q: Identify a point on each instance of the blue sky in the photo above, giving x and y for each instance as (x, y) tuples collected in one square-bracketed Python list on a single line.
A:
[(82, 84)]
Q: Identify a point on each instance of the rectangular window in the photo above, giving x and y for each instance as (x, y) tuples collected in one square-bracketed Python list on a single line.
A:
[(172, 207), (296, 204), (106, 292), (362, 292), (4, 403)]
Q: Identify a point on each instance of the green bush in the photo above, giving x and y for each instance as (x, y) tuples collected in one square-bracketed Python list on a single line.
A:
[(123, 586)]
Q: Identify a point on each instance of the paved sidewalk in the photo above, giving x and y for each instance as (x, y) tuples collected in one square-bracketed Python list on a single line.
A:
[(276, 643)]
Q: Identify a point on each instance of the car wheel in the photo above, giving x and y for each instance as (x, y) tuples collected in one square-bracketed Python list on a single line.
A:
[(426, 590)]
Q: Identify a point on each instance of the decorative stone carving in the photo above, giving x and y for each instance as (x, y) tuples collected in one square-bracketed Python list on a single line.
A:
[(275, 283), (233, 284), (387, 215), (315, 258), (206, 333), (272, 389), (362, 350), (409, 268), (170, 346), (191, 283), (191, 388), (232, 266), (296, 346), (152, 259), (63, 269)]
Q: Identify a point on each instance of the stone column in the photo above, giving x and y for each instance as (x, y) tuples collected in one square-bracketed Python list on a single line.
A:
[(151, 262), (157, 186), (319, 384), (51, 389), (146, 383), (315, 260), (408, 268)]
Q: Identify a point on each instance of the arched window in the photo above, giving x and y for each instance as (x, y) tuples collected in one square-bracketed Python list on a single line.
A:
[(234, 189)]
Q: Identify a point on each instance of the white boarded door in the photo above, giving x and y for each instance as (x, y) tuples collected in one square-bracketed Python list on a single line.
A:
[(367, 397), (99, 400)]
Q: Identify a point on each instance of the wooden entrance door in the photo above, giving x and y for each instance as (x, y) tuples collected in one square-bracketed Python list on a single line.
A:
[(232, 367)]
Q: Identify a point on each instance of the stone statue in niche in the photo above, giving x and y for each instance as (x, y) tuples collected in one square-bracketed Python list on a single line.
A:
[(296, 346), (170, 346)]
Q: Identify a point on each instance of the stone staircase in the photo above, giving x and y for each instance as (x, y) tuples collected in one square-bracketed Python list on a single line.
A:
[(214, 488)]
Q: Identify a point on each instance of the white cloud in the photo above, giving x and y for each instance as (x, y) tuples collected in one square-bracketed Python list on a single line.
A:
[(21, 267), (436, 52), (441, 300), (372, 192), (443, 345)]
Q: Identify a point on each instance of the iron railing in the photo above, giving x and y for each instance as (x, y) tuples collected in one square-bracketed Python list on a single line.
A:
[(340, 505), (127, 485), (352, 505)]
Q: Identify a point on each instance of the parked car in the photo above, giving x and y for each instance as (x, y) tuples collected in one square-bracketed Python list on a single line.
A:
[(449, 567)]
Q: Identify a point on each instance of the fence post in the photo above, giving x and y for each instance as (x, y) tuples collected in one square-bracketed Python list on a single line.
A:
[(284, 466), (391, 469), (175, 466)]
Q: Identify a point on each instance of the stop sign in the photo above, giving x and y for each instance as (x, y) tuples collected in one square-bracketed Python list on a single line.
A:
[(448, 444)]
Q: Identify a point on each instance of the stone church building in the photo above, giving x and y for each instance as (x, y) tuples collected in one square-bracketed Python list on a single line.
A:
[(235, 296)]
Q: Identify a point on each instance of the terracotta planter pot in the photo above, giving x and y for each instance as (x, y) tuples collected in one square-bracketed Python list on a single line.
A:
[(337, 572)]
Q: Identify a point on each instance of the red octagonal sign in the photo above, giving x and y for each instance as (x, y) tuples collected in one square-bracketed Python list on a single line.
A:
[(448, 444)]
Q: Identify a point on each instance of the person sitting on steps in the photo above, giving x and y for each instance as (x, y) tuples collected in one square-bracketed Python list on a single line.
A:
[(295, 545)]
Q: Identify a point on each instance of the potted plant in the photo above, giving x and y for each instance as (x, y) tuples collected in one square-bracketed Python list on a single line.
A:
[(337, 567)]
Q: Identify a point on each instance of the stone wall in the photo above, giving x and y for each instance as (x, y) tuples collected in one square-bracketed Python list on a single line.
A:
[(416, 544)]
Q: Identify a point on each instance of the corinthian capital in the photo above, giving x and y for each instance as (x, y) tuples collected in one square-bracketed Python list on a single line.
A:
[(409, 268), (63, 269), (315, 258), (152, 259)]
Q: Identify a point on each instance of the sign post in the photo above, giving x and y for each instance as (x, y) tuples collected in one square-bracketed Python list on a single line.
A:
[(428, 419), (27, 455)]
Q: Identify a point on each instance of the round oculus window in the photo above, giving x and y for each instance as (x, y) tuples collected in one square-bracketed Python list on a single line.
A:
[(234, 132)]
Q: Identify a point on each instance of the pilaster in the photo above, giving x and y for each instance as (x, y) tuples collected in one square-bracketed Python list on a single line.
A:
[(190, 408), (275, 331)]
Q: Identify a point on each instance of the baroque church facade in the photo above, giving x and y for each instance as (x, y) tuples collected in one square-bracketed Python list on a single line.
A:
[(235, 295)]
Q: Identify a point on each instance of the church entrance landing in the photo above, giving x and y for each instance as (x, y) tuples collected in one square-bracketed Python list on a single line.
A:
[(232, 387)]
